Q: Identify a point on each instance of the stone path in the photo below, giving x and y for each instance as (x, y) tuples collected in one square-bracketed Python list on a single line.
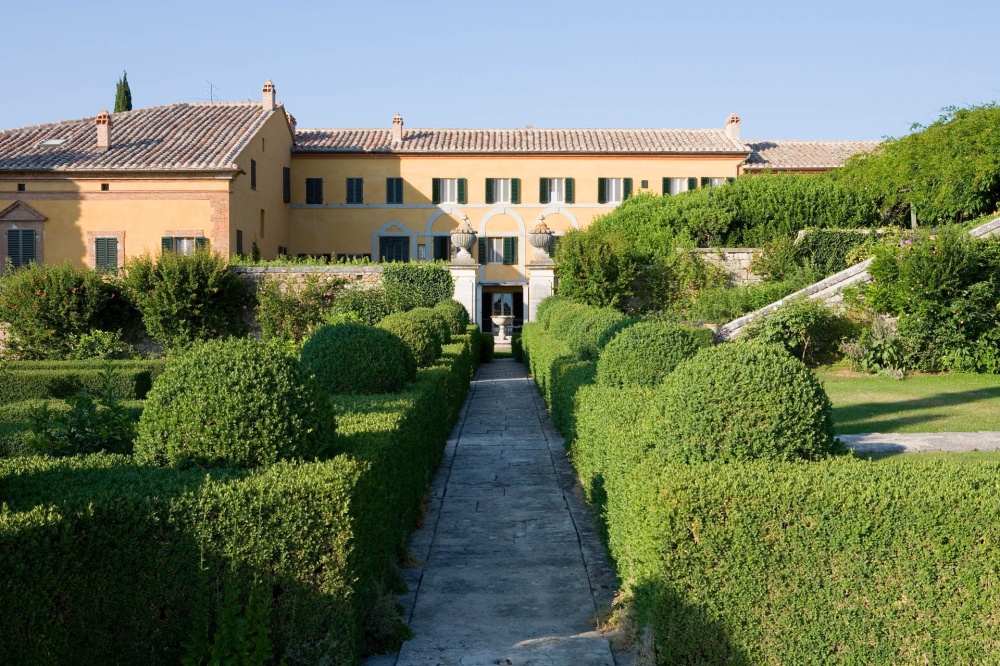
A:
[(512, 569), (878, 443)]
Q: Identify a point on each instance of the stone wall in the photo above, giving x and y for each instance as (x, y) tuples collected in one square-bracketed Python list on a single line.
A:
[(364, 276), (735, 260)]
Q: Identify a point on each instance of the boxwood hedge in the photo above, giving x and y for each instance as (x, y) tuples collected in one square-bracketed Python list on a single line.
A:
[(456, 315), (421, 334), (26, 380), (646, 352), (354, 358)]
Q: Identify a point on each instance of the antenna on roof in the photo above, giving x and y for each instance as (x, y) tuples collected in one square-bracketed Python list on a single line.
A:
[(211, 90)]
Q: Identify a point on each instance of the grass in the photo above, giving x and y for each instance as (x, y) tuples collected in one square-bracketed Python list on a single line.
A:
[(952, 402)]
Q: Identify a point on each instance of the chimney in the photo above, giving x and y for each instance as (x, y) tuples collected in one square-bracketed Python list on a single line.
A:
[(397, 128), (733, 127), (104, 130), (269, 96)]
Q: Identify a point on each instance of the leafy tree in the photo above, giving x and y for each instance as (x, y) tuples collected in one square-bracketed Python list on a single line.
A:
[(123, 95)]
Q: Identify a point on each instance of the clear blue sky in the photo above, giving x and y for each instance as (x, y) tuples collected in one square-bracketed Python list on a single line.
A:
[(791, 70)]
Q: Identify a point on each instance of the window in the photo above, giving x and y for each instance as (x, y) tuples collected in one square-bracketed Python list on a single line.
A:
[(394, 190), (20, 187), (261, 234), (314, 191), (675, 185), (393, 248), (21, 247), (421, 252), (442, 248), (503, 304), (185, 245), (239, 241), (498, 250), (105, 187), (355, 190), (106, 254), (253, 174), (613, 190), (712, 182), (644, 184), (286, 184), (503, 190), (556, 190), (449, 190)]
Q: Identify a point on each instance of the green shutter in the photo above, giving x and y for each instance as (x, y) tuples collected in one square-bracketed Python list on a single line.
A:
[(27, 246), (489, 191), (626, 188), (706, 181), (482, 250), (239, 241), (602, 190), (14, 247), (359, 190), (508, 251), (167, 244), (730, 180), (666, 187), (515, 190), (570, 191), (543, 190), (692, 183), (200, 243), (100, 253), (436, 190), (463, 191), (112, 246), (513, 251)]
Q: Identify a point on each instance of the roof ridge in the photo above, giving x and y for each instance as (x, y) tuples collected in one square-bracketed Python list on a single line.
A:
[(514, 129), (71, 121), (749, 141)]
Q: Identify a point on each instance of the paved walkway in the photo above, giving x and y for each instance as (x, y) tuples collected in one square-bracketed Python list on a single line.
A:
[(513, 569), (924, 442)]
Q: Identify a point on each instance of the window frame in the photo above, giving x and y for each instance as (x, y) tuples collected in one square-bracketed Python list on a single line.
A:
[(393, 190), (314, 191), (108, 254), (355, 194)]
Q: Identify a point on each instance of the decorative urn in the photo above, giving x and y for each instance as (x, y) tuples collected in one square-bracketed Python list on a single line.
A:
[(540, 239), (463, 238)]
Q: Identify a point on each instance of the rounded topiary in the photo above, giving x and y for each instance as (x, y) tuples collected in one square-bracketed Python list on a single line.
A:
[(742, 401), (354, 358), (436, 319), (422, 336), (456, 315), (234, 403), (643, 354), (548, 308)]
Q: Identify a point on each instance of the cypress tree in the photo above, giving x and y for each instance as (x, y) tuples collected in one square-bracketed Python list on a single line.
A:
[(123, 95)]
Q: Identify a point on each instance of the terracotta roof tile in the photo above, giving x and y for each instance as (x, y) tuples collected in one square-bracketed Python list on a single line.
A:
[(803, 154), (175, 137), (527, 140)]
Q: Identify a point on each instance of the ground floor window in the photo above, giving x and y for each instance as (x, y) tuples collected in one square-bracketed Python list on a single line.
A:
[(21, 247), (186, 245), (106, 254), (393, 248)]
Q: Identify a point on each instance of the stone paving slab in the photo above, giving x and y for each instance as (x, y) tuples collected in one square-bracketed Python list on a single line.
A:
[(924, 442), (512, 569)]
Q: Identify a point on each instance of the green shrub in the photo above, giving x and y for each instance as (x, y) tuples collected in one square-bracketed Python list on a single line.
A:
[(354, 358), (749, 563), (516, 350), (290, 311), (46, 306), (805, 327), (421, 335), (455, 313), (184, 299), (100, 345), (598, 267), (646, 352), (417, 284), (435, 318), (486, 347), (740, 402), (830, 250), (109, 562), (722, 305), (550, 307), (566, 378), (371, 305), (234, 403), (26, 380)]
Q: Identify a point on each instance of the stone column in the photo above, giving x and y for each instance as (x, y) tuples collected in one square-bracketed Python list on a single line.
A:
[(541, 270), (464, 270)]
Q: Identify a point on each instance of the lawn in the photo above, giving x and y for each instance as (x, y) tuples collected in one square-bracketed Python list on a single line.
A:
[(951, 402)]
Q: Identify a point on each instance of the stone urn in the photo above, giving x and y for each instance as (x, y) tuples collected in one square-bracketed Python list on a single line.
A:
[(502, 322), (463, 238), (540, 239)]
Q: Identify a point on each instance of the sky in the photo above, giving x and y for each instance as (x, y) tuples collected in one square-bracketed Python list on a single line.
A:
[(790, 70)]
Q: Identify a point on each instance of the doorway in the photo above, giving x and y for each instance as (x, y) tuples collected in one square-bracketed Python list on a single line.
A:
[(508, 303)]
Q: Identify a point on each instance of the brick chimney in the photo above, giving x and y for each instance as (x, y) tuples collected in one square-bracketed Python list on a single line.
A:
[(397, 128), (269, 103), (733, 127), (103, 130)]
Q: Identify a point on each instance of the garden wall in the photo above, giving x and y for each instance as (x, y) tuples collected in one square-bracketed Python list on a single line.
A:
[(366, 276), (735, 260)]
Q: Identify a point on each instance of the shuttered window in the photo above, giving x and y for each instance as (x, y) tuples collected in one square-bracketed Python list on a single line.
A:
[(286, 184), (355, 190), (692, 183), (106, 254), (503, 190), (253, 174), (555, 190), (394, 190), (186, 246), (314, 191), (21, 247), (498, 250), (393, 248), (613, 190), (239, 241), (449, 190), (442, 248), (570, 190)]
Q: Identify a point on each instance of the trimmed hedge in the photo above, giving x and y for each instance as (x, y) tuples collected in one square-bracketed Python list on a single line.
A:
[(835, 562), (354, 358), (234, 403), (743, 401), (456, 315), (104, 561), (434, 318), (646, 352), (27, 380), (420, 334)]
